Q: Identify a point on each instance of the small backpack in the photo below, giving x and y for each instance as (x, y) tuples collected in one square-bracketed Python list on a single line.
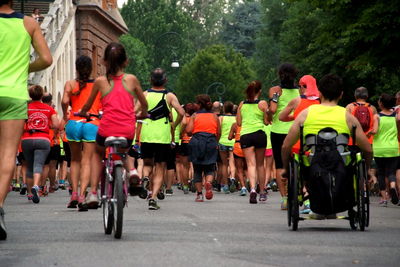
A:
[(161, 110), (363, 113)]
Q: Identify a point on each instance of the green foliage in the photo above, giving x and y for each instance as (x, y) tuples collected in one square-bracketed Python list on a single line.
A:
[(240, 28), (137, 53), (216, 63)]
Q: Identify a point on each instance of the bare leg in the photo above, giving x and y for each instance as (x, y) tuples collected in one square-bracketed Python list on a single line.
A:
[(224, 166), (157, 178), (87, 153), (232, 168), (250, 156), (76, 157), (10, 135)]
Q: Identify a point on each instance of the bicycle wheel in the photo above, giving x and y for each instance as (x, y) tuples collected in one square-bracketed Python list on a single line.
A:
[(119, 201), (363, 196), (295, 190), (108, 207)]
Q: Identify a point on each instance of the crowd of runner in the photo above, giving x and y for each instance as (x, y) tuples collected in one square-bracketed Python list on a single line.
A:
[(201, 146)]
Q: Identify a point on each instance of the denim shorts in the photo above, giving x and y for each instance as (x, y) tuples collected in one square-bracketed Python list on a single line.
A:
[(224, 148), (78, 131)]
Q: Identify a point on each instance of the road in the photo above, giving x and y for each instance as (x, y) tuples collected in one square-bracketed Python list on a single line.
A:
[(226, 231)]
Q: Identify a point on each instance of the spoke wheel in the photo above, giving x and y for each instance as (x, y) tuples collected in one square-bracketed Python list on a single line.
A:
[(119, 201), (363, 197)]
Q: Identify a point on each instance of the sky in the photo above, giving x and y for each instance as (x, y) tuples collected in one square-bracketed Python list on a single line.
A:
[(121, 2)]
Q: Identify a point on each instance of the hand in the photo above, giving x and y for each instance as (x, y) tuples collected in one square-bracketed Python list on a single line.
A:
[(142, 115)]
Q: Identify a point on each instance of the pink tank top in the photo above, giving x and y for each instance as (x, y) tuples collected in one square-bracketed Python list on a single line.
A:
[(118, 111)]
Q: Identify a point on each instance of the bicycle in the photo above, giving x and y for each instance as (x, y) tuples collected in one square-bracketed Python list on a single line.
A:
[(114, 191)]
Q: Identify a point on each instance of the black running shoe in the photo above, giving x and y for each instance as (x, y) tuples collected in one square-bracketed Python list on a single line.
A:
[(153, 205), (3, 232), (394, 196), (35, 195), (23, 190)]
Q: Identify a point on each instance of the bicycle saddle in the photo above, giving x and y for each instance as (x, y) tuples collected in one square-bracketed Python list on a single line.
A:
[(118, 141)]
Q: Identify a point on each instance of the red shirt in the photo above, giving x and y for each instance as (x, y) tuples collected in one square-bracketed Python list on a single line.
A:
[(39, 121)]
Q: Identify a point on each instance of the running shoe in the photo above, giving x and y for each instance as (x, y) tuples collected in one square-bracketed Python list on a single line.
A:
[(274, 186), (263, 197), (169, 192), (394, 196), (82, 206), (225, 189), (92, 201), (232, 186), (161, 194), (3, 230), (284, 203), (73, 201), (268, 186), (17, 187), (383, 203), (253, 197), (30, 197), (153, 205), (243, 191), (209, 193), (185, 189), (61, 184), (23, 190), (179, 186), (306, 209), (199, 198), (35, 194), (192, 187)]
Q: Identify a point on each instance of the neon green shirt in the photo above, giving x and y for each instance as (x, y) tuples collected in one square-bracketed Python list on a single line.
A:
[(227, 121), (282, 127), (385, 144), (252, 118)]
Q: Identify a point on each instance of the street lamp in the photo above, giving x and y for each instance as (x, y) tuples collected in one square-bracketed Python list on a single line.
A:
[(171, 45), (219, 89)]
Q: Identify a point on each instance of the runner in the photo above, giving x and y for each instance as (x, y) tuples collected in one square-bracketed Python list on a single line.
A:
[(240, 162), (226, 148), (386, 147), (251, 117), (156, 136), (20, 32), (81, 134), (118, 93), (36, 139), (280, 96), (205, 130)]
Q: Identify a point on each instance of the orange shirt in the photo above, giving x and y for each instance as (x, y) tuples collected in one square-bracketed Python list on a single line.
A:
[(237, 149), (185, 137), (205, 122)]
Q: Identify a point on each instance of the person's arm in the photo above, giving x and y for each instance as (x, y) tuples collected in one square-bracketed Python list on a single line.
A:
[(39, 44), (263, 106), (174, 102), (273, 103), (292, 138), (375, 127), (99, 82), (218, 127), (134, 83), (286, 115), (239, 115), (55, 124), (190, 125), (398, 126), (66, 99), (232, 132), (361, 138), (349, 108)]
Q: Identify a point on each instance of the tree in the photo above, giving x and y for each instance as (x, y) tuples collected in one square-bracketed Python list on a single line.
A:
[(216, 63), (137, 55), (240, 28)]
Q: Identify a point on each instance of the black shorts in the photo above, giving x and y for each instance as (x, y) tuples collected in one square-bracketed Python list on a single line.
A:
[(158, 152), (100, 140), (54, 154), (277, 142), (134, 152), (257, 139), (20, 158), (171, 159), (67, 155), (183, 149)]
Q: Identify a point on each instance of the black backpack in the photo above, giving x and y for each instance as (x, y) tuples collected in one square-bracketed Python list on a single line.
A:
[(161, 110), (329, 180)]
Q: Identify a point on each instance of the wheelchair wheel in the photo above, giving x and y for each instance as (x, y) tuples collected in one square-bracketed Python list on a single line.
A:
[(293, 195), (353, 219), (363, 196)]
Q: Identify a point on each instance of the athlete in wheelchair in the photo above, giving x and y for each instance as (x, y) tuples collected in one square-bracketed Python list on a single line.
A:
[(333, 172)]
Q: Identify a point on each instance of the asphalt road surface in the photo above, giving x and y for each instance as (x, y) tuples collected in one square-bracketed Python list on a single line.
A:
[(226, 231)]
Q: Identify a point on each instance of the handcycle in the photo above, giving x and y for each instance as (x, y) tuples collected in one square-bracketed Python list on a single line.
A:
[(356, 186)]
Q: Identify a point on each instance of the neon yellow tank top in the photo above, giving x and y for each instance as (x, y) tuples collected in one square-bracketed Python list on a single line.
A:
[(15, 45), (158, 131), (267, 130), (252, 118), (226, 125), (177, 132), (282, 127), (320, 117), (385, 144)]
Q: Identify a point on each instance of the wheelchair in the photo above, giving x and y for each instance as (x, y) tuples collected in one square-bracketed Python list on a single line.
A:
[(354, 200)]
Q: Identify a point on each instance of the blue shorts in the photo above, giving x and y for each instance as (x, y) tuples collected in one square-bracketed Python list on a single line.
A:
[(78, 131)]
